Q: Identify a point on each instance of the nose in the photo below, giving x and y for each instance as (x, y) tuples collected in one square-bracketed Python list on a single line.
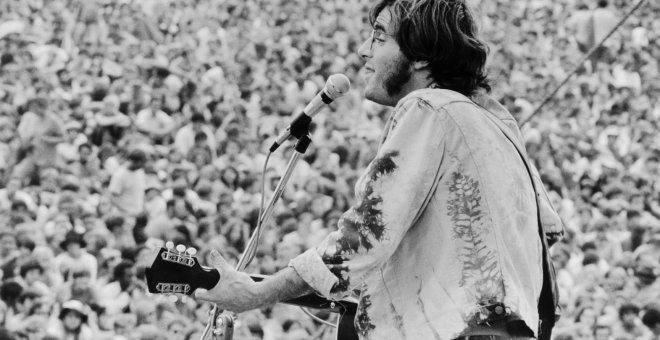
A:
[(364, 51)]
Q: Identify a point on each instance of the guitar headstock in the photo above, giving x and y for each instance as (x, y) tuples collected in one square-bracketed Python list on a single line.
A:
[(176, 270)]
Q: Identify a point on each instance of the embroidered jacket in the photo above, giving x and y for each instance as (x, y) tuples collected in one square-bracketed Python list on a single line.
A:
[(444, 229)]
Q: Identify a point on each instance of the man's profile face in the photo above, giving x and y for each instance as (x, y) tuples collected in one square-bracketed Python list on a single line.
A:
[(386, 69)]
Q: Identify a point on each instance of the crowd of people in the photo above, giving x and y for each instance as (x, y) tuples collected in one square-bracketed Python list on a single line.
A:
[(125, 124)]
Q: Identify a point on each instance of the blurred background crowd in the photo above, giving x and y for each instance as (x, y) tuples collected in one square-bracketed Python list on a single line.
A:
[(125, 124)]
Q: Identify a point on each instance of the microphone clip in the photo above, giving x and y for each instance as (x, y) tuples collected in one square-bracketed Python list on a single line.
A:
[(299, 127)]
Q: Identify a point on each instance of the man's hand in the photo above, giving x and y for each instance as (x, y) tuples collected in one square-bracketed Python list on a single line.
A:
[(235, 291)]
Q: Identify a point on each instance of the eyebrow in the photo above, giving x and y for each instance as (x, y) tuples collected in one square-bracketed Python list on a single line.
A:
[(379, 26)]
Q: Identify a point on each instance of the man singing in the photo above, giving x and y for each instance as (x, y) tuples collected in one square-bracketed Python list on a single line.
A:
[(444, 240)]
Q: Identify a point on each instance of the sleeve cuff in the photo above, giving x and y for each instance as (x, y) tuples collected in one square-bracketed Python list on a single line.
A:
[(312, 270)]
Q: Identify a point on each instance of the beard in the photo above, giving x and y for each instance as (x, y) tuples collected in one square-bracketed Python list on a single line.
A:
[(398, 77)]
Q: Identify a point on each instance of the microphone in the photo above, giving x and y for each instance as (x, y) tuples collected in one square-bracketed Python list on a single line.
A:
[(336, 86)]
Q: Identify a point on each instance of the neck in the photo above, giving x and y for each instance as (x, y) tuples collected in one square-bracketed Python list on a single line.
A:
[(418, 81)]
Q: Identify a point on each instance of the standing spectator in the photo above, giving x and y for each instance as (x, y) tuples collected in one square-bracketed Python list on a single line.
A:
[(40, 131), (581, 23), (128, 183), (75, 257), (604, 19)]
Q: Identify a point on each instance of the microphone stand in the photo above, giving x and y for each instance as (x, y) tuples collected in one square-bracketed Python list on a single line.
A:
[(221, 324)]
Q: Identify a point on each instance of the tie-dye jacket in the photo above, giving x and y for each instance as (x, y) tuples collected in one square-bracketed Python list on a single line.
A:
[(444, 225)]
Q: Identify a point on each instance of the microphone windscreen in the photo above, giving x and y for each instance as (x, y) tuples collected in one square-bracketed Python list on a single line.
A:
[(337, 86)]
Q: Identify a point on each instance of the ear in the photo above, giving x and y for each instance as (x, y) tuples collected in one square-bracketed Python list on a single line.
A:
[(420, 65)]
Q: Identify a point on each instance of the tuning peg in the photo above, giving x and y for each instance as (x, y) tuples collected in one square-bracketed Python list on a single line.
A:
[(169, 245), (180, 248), (191, 251)]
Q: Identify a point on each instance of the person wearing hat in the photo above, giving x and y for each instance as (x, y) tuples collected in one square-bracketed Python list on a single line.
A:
[(127, 185), (75, 258), (72, 322)]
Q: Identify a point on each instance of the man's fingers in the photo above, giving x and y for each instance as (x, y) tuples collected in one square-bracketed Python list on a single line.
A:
[(202, 294), (219, 262)]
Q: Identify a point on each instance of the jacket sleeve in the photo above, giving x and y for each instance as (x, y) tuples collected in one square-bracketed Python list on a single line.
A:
[(390, 196)]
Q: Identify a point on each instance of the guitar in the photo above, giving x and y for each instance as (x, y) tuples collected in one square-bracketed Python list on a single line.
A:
[(177, 271)]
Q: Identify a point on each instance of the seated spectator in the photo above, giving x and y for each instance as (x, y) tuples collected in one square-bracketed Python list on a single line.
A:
[(9, 254), (629, 325), (120, 236), (31, 277), (80, 288), (26, 300), (117, 293), (154, 123), (71, 323), (650, 250), (124, 325), (651, 319), (46, 258), (87, 166), (646, 287), (186, 136), (200, 153), (12, 193)]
